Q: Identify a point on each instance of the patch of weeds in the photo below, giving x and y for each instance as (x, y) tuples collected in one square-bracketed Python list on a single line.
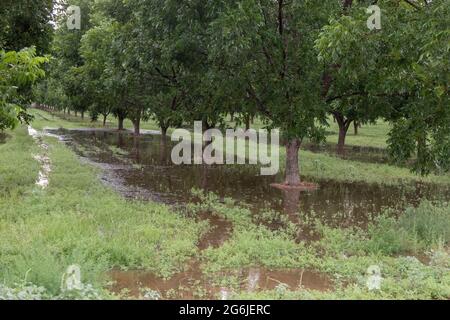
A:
[(118, 151), (257, 246), (418, 229), (226, 208)]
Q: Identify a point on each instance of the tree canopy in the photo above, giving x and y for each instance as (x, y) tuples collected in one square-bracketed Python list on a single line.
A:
[(291, 63)]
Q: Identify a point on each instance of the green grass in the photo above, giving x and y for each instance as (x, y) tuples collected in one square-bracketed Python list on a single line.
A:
[(325, 167), (18, 169), (77, 220), (370, 135)]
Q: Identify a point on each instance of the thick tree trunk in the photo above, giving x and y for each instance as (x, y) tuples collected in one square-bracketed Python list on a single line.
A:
[(104, 120), (121, 119), (82, 115), (344, 125), (356, 126), (292, 166), (247, 122), (164, 130), (341, 141), (206, 126)]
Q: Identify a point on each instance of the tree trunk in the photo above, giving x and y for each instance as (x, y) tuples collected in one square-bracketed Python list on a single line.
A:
[(121, 119), (164, 130), (356, 125), (76, 113), (292, 167), (137, 125), (82, 115), (344, 124), (341, 141), (247, 122), (104, 120)]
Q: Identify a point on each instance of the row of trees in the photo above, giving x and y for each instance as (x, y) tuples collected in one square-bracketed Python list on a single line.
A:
[(25, 36), (291, 63)]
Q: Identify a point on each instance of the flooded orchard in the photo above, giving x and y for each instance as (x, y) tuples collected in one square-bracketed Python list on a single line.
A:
[(141, 168)]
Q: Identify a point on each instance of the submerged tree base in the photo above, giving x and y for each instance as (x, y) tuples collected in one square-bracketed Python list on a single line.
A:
[(303, 186)]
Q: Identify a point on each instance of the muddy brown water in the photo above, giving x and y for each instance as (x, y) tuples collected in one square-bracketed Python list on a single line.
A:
[(193, 284), (140, 168)]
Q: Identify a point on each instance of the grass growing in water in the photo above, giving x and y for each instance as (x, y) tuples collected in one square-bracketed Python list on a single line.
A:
[(344, 254)]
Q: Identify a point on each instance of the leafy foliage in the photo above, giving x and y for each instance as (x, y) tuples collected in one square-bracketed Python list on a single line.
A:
[(399, 72), (17, 70)]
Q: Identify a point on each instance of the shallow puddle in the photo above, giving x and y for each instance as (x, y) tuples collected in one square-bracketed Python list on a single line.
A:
[(220, 230), (193, 284)]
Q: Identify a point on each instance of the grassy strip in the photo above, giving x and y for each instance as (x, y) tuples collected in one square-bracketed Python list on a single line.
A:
[(77, 220), (371, 135)]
